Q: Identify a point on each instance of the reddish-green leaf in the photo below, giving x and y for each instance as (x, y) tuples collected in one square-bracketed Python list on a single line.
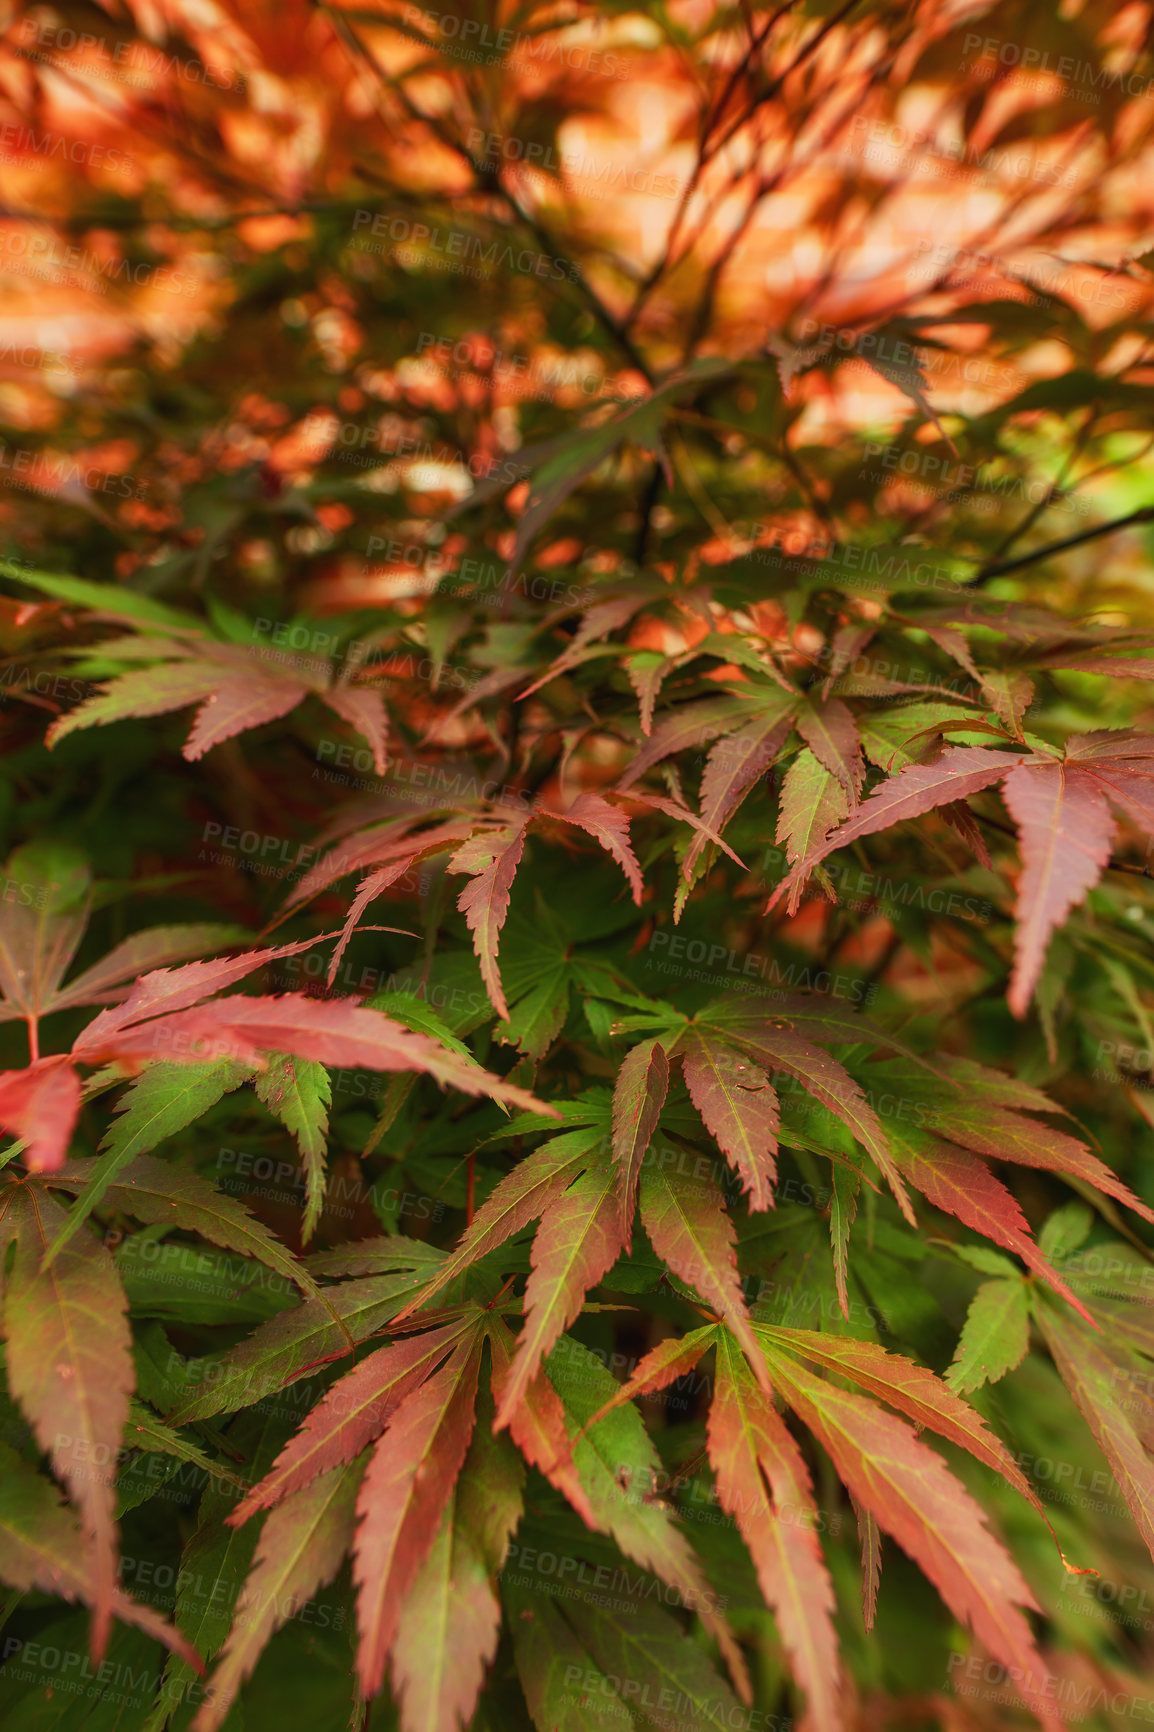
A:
[(579, 1240), (520, 1198), (301, 1547), (1107, 1398), (451, 1617), (915, 1498), (353, 1412), (1066, 831), (738, 1107), (406, 1488), (959, 772), (70, 1368), (638, 1097), (692, 1231), (763, 1483), (492, 857)]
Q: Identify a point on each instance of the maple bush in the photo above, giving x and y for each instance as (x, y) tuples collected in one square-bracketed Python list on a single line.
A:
[(576, 989)]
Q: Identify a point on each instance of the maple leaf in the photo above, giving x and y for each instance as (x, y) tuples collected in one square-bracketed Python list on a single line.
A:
[(1109, 1396), (913, 1496), (299, 1093), (1061, 808), (492, 857), (957, 1182), (300, 1549), (580, 1238), (289, 1346), (763, 1483), (537, 1425), (638, 1097), (690, 1229), (616, 1446), (70, 1369), (407, 1486), (353, 1412), (610, 826), (731, 770), (961, 770), (42, 1545), (813, 801), (830, 732), (995, 1338), (989, 1117), (237, 689), (1066, 831), (739, 1109), (521, 1197), (777, 1047), (451, 1618)]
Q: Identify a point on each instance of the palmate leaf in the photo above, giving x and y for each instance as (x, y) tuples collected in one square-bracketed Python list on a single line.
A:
[(776, 1046), (298, 1092), (739, 1109), (354, 1411), (42, 1547), (153, 1191), (492, 858), (577, 1243), (763, 1483), (550, 1656), (451, 1617), (70, 1368), (237, 689), (216, 1554), (617, 1464), (913, 1496), (1114, 1403), (638, 1097), (960, 1184), (733, 767), (300, 1549), (690, 1229), (813, 802), (537, 1425), (520, 1198), (1062, 811), (973, 1112), (407, 1487), (915, 1391), (995, 1339), (289, 1346)]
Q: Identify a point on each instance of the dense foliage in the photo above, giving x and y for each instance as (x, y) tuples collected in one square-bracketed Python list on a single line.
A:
[(575, 943)]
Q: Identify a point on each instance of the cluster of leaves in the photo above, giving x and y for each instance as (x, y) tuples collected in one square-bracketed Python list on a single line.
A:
[(694, 1264)]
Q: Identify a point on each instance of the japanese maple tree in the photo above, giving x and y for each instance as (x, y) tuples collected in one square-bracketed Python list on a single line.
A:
[(576, 972)]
